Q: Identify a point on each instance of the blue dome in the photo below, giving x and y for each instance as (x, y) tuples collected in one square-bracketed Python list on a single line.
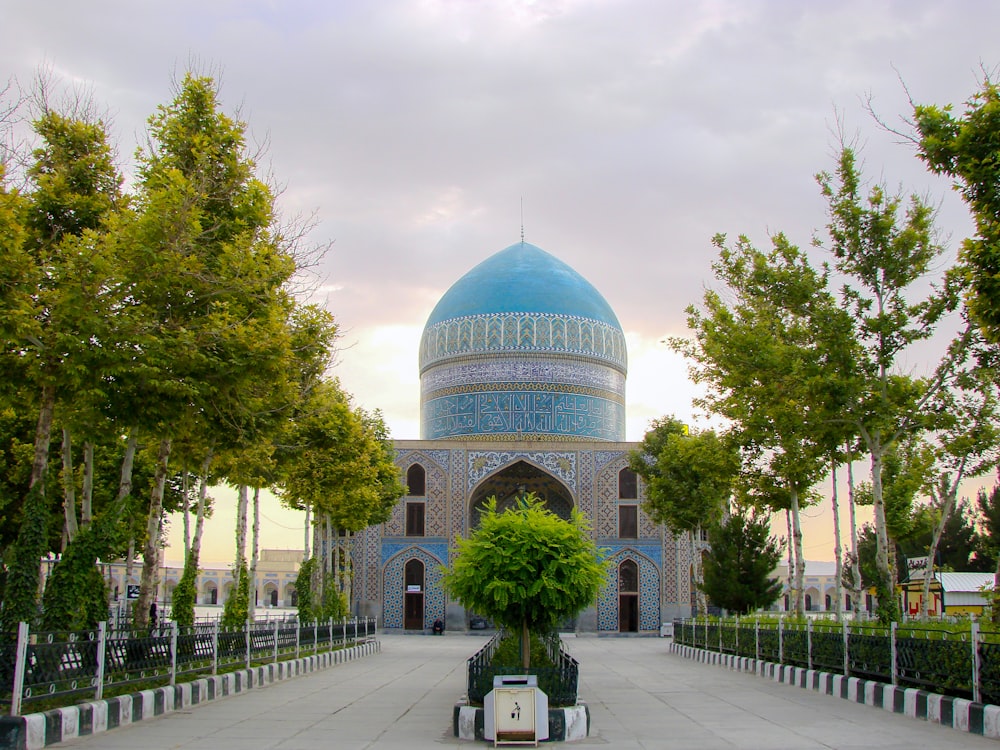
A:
[(522, 345), (523, 279)]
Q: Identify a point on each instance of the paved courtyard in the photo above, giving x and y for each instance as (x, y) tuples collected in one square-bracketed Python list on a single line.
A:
[(639, 694)]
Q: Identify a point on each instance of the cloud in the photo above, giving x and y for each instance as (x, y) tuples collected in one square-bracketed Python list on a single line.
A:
[(631, 132)]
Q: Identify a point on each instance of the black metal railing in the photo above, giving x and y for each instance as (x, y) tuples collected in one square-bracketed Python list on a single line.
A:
[(60, 668), (559, 682), (957, 661)]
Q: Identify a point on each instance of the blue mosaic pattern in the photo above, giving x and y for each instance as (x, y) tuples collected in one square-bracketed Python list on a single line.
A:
[(483, 463), (649, 587), (495, 333), (393, 585), (524, 369), (512, 413)]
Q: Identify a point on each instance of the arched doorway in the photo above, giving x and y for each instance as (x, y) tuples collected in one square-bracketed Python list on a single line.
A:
[(628, 597), (513, 482), (413, 596)]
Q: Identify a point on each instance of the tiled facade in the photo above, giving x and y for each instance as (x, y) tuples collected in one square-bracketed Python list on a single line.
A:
[(459, 473)]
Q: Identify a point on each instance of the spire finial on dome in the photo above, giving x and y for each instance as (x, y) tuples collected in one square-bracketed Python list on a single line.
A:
[(522, 219)]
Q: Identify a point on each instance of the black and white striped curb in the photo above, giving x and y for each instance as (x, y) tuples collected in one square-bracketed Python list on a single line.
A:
[(36, 731), (957, 713)]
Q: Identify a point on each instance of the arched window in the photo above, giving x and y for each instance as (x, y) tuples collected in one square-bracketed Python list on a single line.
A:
[(416, 481), (213, 596), (809, 603), (274, 597), (628, 577), (628, 485), (828, 602)]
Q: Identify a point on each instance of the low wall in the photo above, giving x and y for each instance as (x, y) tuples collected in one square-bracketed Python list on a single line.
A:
[(957, 713), (35, 731)]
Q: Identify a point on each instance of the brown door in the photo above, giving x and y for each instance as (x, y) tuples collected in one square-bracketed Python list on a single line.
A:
[(628, 597), (413, 596)]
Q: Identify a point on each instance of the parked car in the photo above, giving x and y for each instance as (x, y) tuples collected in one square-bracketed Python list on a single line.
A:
[(478, 622)]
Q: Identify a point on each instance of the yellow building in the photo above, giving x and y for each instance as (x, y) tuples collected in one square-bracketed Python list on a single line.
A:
[(956, 594)]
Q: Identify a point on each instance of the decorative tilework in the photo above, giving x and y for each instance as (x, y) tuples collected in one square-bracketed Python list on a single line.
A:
[(585, 496), (524, 331), (483, 463), (647, 557), (393, 584), (517, 411), (453, 477), (458, 506), (534, 368), (367, 544)]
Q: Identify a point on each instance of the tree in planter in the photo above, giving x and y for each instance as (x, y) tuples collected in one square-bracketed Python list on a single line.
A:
[(526, 569), (739, 565)]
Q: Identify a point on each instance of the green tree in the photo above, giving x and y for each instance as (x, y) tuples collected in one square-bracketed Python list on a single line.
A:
[(209, 270), (773, 350), (234, 611), (341, 468), (20, 602), (75, 192), (882, 256), (741, 561), (689, 478), (965, 148), (526, 569)]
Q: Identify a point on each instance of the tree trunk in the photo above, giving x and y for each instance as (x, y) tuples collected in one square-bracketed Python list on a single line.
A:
[(125, 482), (838, 558), (241, 533), (43, 433), (950, 491), (319, 569), (996, 593), (887, 579), (800, 563), (305, 534), (129, 562), (525, 646), (194, 551), (855, 560), (254, 546), (69, 489), (151, 550), (185, 509), (791, 562), (700, 597), (87, 495)]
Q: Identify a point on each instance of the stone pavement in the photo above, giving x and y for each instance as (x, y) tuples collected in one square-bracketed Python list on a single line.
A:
[(640, 696)]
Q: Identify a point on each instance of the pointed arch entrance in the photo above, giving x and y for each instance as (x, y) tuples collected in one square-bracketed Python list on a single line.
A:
[(628, 597), (413, 598), (513, 482)]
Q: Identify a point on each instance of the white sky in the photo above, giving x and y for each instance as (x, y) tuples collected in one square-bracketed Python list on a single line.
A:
[(632, 131)]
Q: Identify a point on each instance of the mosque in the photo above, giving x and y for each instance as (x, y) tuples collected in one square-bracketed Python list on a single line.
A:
[(522, 380)]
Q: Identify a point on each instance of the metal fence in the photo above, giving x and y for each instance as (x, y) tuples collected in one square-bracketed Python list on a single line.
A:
[(559, 682), (961, 661), (60, 668)]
